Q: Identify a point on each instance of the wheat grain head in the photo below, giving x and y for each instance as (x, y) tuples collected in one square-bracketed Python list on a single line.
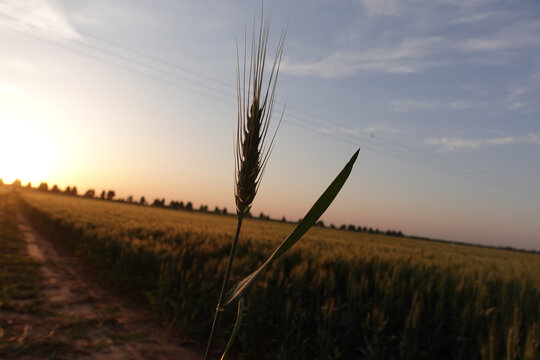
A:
[(256, 99)]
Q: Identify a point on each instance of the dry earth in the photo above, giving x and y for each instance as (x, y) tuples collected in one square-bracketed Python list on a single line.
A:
[(83, 318)]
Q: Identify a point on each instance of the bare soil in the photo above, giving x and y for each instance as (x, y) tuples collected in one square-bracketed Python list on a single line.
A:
[(82, 318)]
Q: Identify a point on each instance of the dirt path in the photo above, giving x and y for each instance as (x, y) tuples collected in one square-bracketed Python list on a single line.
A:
[(86, 320)]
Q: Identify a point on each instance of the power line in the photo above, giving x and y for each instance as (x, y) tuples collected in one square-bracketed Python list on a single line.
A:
[(388, 148)]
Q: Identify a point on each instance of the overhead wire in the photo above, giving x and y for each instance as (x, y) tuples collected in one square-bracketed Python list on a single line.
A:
[(378, 145)]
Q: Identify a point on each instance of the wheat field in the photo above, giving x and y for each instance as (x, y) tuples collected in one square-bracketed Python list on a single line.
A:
[(338, 294)]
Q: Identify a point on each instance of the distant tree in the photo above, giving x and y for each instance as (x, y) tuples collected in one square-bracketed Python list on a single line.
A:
[(68, 190), (203, 208), (43, 187), (343, 227), (110, 195), (320, 223), (399, 233), (55, 189), (74, 191), (224, 211), (90, 193), (142, 201), (351, 227), (370, 230), (102, 196), (189, 206), (176, 204), (130, 199), (332, 226), (159, 203), (284, 219), (262, 216), (16, 183), (29, 185), (216, 210)]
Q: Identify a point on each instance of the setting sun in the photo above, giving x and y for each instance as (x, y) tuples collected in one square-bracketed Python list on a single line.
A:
[(26, 153)]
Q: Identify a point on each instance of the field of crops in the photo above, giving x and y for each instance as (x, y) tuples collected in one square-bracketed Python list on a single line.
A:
[(336, 295)]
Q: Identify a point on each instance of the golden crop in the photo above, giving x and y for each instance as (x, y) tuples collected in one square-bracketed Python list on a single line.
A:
[(340, 294)]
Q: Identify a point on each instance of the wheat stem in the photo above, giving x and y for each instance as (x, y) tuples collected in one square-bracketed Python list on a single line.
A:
[(219, 307)]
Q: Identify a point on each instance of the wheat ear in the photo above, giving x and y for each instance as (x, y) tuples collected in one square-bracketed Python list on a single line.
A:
[(252, 148)]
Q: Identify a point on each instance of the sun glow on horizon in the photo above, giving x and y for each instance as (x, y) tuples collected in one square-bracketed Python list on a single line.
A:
[(26, 153)]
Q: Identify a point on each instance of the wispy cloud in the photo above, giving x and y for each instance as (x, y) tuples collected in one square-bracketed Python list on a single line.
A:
[(404, 58), (454, 144), (521, 34), (382, 127), (478, 17), (411, 105), (408, 105), (381, 7), (514, 100), (482, 36), (379, 127), (45, 17)]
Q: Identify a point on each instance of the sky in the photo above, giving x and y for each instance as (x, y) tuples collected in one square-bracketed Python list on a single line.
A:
[(137, 96)]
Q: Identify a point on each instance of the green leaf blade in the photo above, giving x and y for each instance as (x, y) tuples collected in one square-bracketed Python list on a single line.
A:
[(320, 206), (239, 317)]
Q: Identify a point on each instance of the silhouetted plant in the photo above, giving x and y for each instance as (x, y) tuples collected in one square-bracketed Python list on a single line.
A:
[(90, 193), (255, 107), (55, 189)]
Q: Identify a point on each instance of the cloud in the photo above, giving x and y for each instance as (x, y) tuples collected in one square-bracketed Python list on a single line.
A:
[(520, 34), (408, 105), (478, 17), (381, 7), (513, 100), (479, 34), (404, 58), (454, 144), (44, 17), (380, 127)]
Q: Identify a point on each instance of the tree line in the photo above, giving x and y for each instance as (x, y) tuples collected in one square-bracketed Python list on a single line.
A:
[(110, 195)]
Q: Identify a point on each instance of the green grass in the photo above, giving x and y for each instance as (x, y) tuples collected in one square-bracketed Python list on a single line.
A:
[(338, 294)]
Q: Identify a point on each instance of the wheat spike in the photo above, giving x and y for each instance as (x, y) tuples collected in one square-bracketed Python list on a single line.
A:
[(255, 109)]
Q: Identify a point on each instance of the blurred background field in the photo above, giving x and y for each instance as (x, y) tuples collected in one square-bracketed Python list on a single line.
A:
[(338, 294)]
